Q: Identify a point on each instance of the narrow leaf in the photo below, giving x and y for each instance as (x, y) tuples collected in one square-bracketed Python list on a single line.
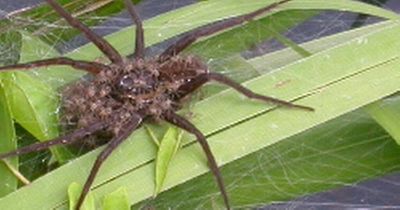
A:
[(16, 173), (117, 200), (152, 136), (74, 191), (343, 5), (387, 114), (289, 43), (169, 145)]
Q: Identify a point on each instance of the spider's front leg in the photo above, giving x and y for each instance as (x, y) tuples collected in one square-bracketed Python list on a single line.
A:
[(139, 42), (213, 28), (201, 79), (97, 40), (183, 123), (91, 67)]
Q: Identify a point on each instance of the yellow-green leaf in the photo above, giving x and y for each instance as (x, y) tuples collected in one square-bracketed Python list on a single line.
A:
[(74, 191), (169, 145)]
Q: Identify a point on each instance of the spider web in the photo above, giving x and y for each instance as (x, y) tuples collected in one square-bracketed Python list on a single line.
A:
[(318, 168)]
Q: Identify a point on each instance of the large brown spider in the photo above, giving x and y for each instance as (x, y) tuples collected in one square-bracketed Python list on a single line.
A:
[(119, 96)]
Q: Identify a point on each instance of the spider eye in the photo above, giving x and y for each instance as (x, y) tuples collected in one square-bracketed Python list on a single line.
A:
[(126, 83)]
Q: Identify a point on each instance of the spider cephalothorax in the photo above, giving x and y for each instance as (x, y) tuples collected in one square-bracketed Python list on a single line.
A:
[(116, 98)]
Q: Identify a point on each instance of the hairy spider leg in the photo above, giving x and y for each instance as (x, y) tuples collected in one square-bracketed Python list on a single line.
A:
[(211, 76), (183, 123), (101, 43), (207, 30), (91, 67), (139, 42), (110, 147), (63, 140)]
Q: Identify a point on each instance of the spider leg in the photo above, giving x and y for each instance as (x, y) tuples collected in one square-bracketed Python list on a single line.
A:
[(91, 67), (139, 42), (63, 140), (101, 43), (204, 78), (114, 143), (189, 127), (207, 30)]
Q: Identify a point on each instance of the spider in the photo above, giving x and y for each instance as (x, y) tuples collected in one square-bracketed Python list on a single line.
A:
[(118, 97)]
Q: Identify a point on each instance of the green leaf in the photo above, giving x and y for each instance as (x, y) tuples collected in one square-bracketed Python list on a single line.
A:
[(387, 114), (29, 100), (278, 59), (117, 200), (169, 145), (289, 43), (10, 47), (8, 182), (34, 106), (344, 5), (33, 102), (74, 191), (152, 136)]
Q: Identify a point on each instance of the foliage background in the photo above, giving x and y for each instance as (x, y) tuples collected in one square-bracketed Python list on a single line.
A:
[(345, 150)]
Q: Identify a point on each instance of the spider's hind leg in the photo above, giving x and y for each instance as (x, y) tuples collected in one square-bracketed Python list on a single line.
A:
[(250, 94), (110, 147), (189, 127), (63, 140), (200, 80)]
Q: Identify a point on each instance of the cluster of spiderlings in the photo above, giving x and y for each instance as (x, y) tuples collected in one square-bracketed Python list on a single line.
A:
[(114, 94)]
